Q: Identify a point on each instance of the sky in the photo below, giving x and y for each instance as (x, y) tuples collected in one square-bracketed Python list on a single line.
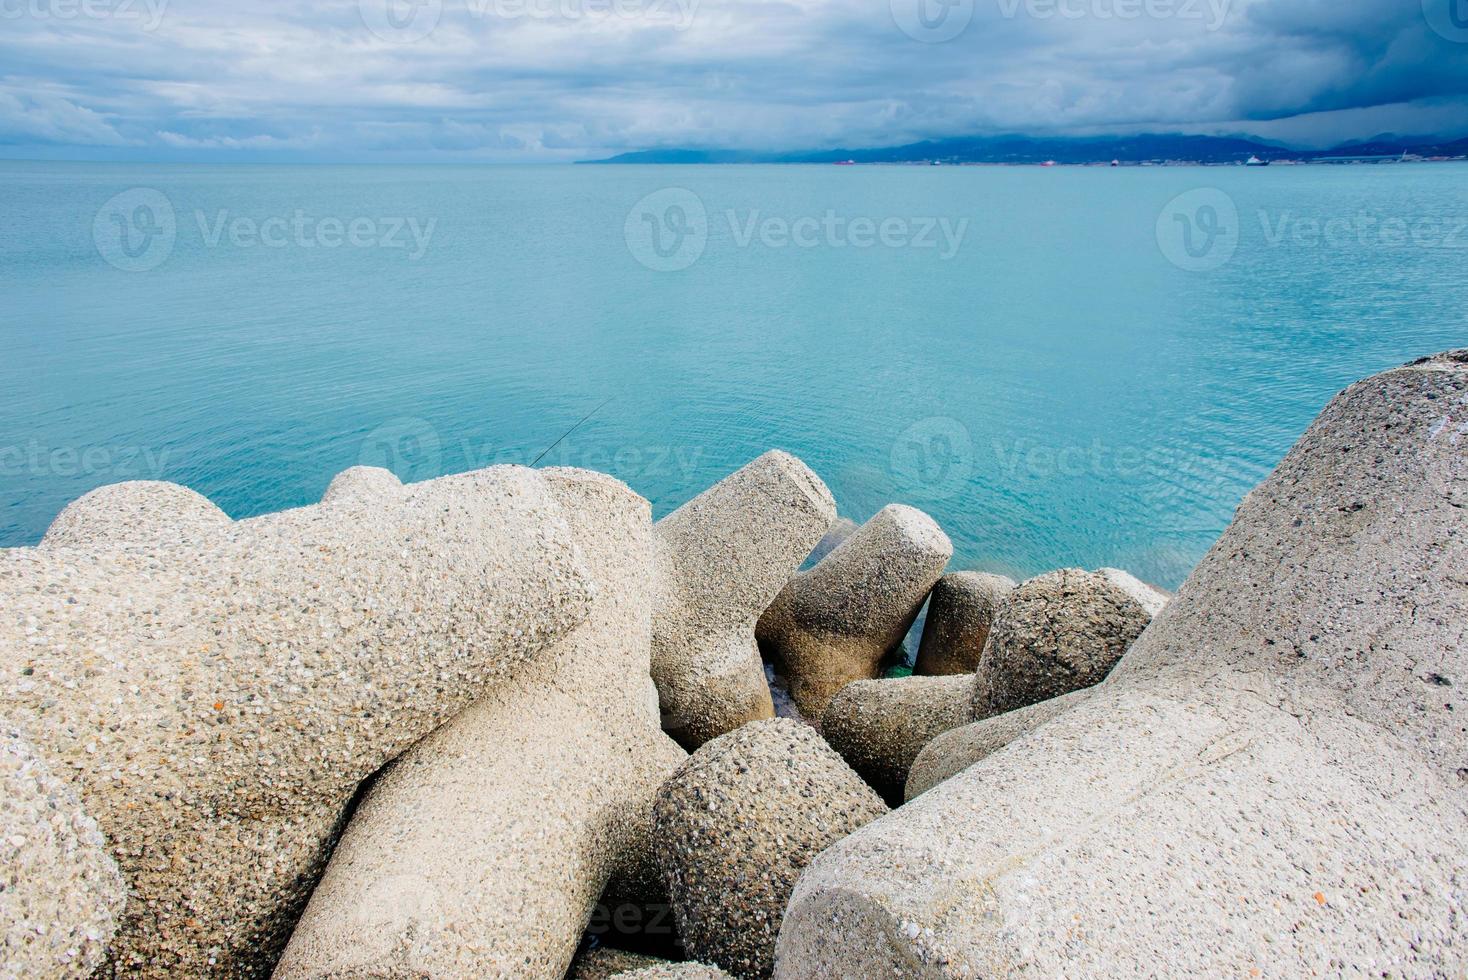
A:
[(547, 80)]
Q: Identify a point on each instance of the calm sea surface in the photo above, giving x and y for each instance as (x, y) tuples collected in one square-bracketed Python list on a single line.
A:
[(1065, 367)]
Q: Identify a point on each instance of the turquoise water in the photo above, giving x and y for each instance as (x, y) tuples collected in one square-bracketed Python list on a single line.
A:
[(1058, 379)]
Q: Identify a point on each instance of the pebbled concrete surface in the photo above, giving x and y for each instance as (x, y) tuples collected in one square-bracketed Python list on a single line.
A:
[(722, 558), (737, 824), (833, 623), (1272, 781), (483, 849), (60, 892), (961, 612), (214, 691), (880, 726)]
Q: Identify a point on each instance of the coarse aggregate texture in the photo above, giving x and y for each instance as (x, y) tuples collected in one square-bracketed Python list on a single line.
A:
[(723, 557), (676, 971), (1057, 633), (1270, 784), (605, 962), (361, 482), (215, 691), (60, 892), (834, 623), (960, 612), (1152, 599), (483, 850), (954, 751), (738, 822), (138, 513), (880, 726)]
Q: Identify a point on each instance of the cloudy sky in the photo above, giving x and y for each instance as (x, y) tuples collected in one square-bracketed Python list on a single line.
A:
[(509, 80)]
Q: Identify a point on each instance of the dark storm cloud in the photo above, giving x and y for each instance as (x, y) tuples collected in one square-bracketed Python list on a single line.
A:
[(1322, 56)]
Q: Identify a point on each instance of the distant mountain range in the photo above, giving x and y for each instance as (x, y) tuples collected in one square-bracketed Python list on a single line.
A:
[(1149, 148)]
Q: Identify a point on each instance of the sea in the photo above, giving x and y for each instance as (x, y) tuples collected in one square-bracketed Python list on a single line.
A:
[(1065, 367)]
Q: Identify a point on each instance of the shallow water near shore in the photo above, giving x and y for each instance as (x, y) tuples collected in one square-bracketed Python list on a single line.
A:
[(1065, 367)]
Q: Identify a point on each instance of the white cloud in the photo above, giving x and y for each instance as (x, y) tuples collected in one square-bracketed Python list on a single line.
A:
[(49, 119), (181, 141)]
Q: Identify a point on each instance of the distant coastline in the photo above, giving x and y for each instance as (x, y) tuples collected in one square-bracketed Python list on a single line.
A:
[(1152, 150)]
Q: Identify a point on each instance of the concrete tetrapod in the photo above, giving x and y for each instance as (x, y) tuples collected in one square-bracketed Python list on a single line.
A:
[(722, 558), (1272, 779), (960, 614), (60, 892), (482, 851), (955, 750), (880, 726), (738, 822), (833, 623), (1052, 638), (1057, 633), (214, 691)]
